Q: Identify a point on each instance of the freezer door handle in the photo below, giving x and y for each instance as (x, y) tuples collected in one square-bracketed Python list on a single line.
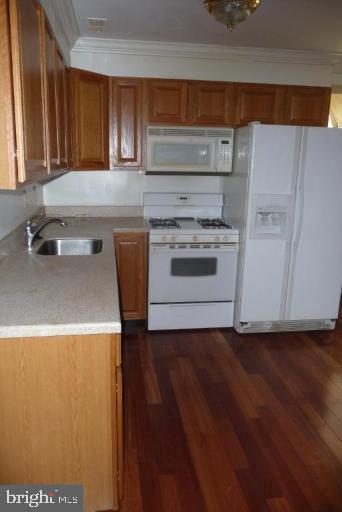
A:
[(300, 200)]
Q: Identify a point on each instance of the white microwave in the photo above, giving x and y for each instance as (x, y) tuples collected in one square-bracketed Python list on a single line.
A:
[(189, 150)]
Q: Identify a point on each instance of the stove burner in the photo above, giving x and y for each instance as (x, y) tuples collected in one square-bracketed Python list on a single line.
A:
[(158, 223), (214, 224)]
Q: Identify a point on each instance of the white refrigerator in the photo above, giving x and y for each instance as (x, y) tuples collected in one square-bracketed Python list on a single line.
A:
[(285, 196)]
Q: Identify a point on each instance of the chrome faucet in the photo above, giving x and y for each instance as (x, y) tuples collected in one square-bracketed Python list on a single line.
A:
[(32, 230)]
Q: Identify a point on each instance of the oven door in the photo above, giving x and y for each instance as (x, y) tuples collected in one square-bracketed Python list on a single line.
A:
[(192, 273)]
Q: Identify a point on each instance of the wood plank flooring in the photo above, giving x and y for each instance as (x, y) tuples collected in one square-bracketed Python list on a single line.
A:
[(218, 422)]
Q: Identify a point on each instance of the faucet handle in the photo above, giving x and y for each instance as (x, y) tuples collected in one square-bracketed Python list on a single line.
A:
[(28, 225)]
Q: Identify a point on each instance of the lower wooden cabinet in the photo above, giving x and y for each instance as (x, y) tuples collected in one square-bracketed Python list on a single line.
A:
[(61, 414), (131, 261)]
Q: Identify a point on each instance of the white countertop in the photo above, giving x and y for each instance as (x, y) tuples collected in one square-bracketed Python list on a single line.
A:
[(62, 295)]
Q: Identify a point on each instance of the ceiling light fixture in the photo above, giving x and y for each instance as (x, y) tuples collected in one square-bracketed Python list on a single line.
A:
[(231, 12)]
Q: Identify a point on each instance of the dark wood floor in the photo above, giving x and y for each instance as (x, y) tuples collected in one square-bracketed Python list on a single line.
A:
[(218, 422)]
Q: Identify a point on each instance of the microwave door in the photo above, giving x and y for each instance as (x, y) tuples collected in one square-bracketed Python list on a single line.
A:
[(180, 154)]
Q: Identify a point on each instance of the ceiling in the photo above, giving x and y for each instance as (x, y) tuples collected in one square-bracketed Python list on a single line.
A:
[(277, 24)]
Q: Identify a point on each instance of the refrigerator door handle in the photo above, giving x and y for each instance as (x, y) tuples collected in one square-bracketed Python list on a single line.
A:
[(299, 216)]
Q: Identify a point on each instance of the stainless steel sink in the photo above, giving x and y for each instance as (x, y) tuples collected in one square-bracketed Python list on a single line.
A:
[(70, 247)]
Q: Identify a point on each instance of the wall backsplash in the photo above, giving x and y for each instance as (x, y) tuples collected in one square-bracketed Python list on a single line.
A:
[(120, 188), (16, 207)]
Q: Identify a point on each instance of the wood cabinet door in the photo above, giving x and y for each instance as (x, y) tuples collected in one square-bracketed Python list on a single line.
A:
[(61, 111), (120, 439), (259, 102), (50, 74), (131, 260), (127, 111), (167, 101), (211, 103), (68, 107), (28, 81), (91, 120), (8, 169), (308, 106)]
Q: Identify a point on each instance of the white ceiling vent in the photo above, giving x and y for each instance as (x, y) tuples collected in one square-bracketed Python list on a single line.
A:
[(98, 24)]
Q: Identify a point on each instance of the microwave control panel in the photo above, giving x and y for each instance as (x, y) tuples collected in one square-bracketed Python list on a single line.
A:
[(225, 153)]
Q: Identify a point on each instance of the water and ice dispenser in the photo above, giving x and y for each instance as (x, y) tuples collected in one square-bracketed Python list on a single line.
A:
[(270, 218)]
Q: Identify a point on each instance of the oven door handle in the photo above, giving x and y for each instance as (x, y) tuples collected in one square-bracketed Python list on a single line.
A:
[(194, 248), (195, 304)]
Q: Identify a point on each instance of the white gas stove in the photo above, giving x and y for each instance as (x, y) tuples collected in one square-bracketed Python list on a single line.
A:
[(192, 262)]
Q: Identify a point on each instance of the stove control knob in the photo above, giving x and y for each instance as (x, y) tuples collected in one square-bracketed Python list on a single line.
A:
[(164, 238), (173, 238), (225, 238), (217, 238), (195, 238)]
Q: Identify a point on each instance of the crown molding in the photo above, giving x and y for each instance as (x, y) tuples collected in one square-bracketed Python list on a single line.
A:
[(66, 15), (203, 51)]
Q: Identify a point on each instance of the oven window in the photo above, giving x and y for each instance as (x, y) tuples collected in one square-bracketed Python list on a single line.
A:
[(193, 267)]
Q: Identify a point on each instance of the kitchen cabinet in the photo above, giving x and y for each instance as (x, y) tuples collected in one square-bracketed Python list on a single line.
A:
[(211, 103), (131, 260), (307, 105), (27, 62), (61, 414), (61, 110), (68, 106), (49, 49), (259, 102), (8, 164), (32, 102), (127, 112), (167, 101), (90, 120)]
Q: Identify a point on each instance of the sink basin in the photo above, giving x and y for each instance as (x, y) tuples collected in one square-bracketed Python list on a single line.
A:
[(70, 247)]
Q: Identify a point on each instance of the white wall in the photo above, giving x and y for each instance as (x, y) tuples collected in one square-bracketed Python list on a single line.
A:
[(120, 188), (16, 207), (337, 79)]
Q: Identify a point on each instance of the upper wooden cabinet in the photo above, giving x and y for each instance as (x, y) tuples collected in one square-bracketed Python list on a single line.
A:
[(131, 260), (127, 109), (259, 102), (167, 101), (91, 120), (50, 74), (211, 103), (27, 60), (68, 108), (307, 105), (8, 167), (32, 103), (61, 110)]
